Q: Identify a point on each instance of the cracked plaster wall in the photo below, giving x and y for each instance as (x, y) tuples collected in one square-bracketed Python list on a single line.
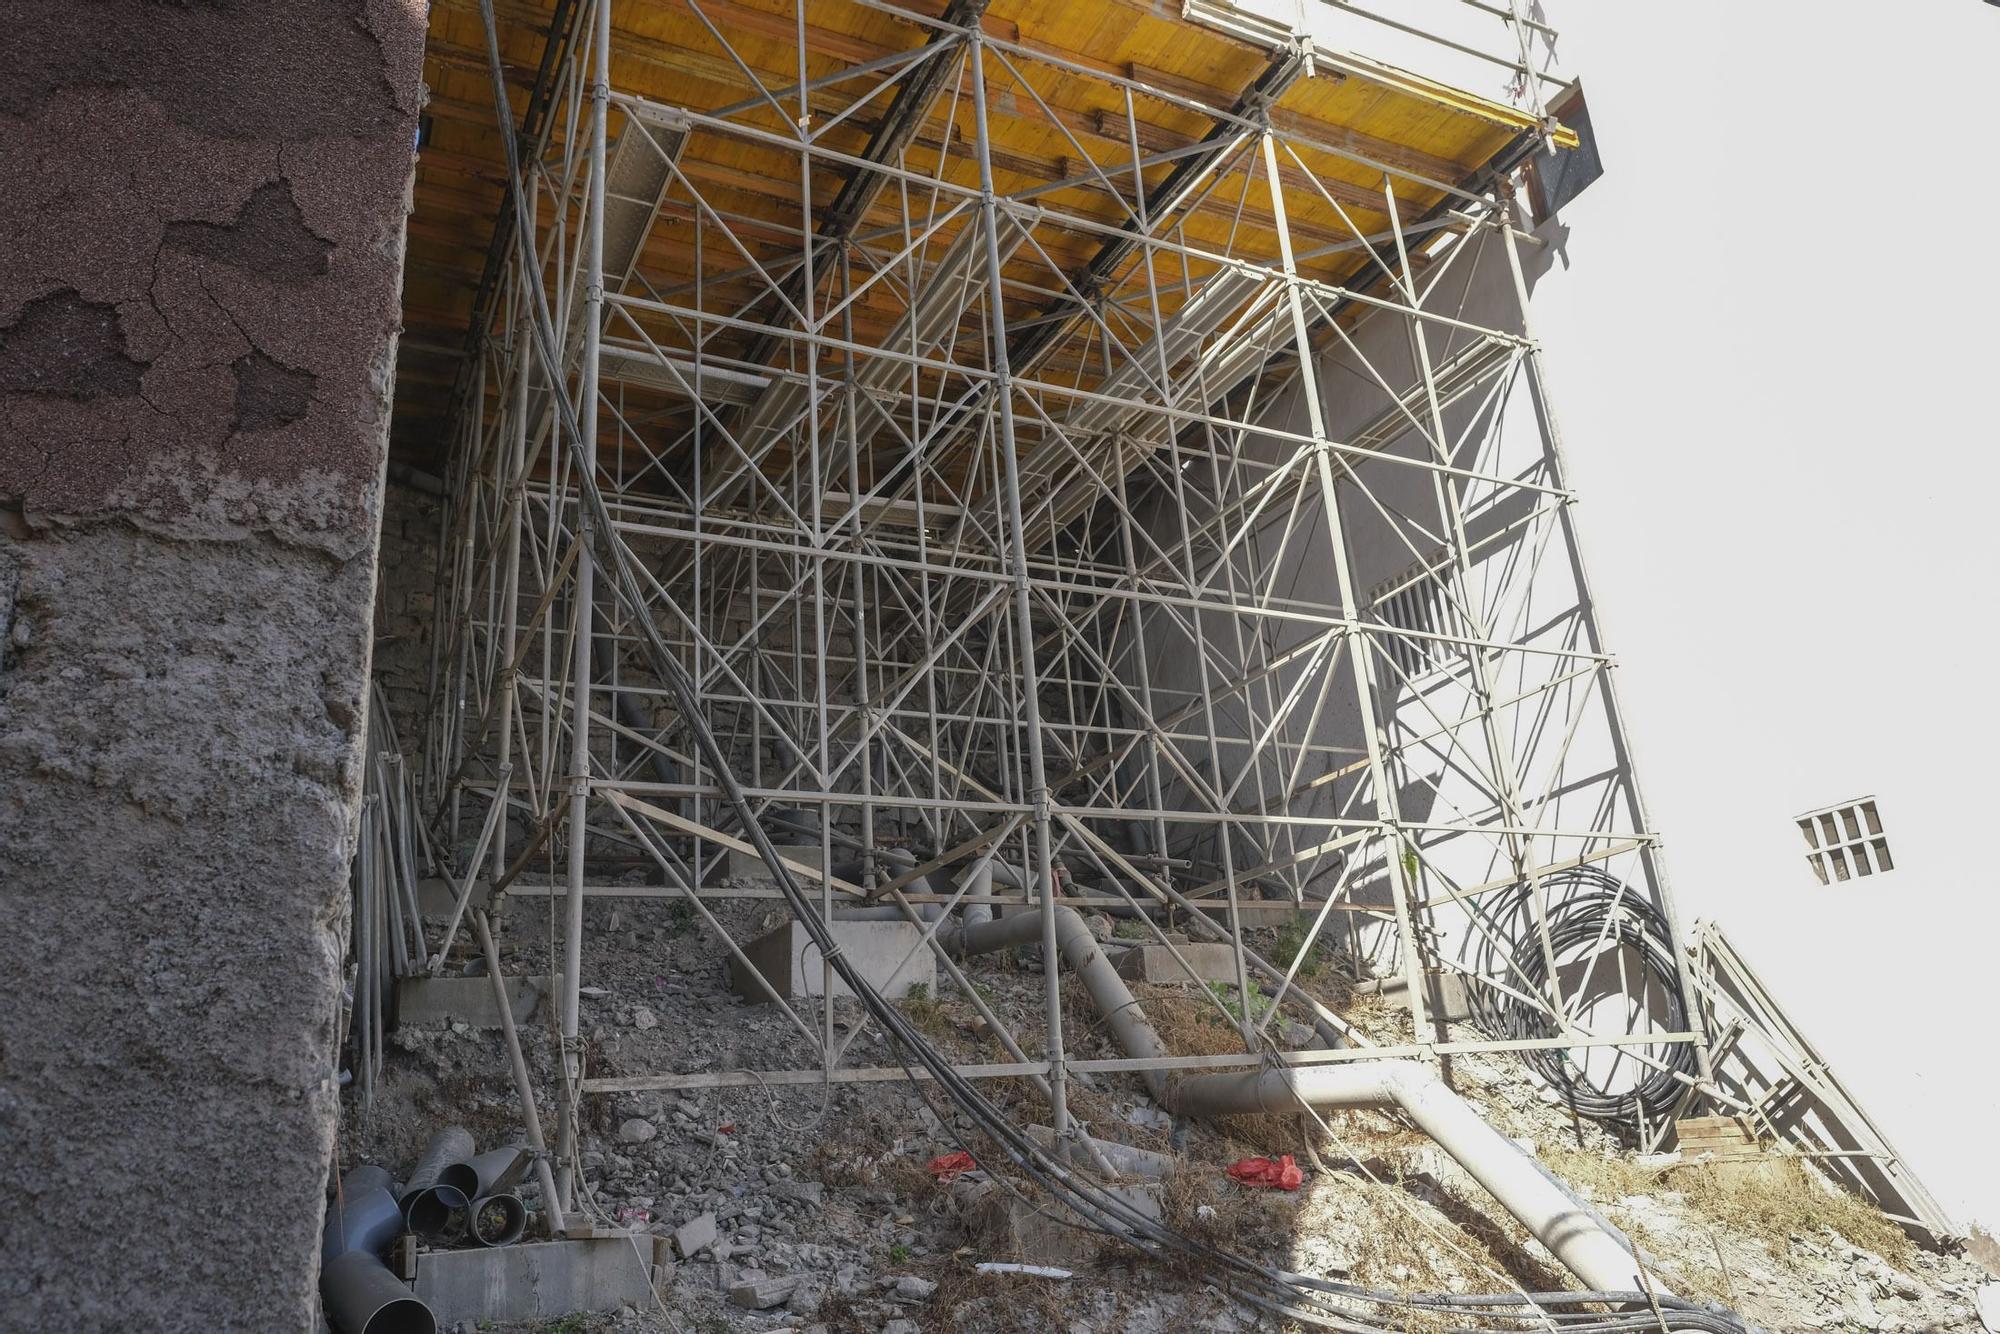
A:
[(198, 311)]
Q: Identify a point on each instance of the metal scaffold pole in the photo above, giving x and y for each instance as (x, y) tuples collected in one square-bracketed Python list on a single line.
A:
[(1170, 525)]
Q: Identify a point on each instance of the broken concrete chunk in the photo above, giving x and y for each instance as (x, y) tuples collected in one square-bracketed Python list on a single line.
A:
[(910, 1288), (695, 1236), (761, 1294), (809, 1193), (637, 1131), (645, 1018)]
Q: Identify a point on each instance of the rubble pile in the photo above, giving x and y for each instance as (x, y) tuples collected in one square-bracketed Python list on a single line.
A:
[(814, 1208)]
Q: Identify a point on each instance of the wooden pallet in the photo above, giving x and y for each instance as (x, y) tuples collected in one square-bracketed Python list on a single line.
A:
[(1721, 1138)]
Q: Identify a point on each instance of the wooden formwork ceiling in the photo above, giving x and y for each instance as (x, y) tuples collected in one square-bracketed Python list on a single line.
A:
[(1059, 136)]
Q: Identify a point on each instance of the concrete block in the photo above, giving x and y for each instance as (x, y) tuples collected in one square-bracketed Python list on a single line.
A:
[(761, 1294), (790, 961), (1212, 962), (696, 1235), (1257, 912), (433, 1002), (436, 898), (1445, 996), (536, 1280)]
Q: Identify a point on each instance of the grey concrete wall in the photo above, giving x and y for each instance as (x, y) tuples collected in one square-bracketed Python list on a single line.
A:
[(404, 606), (198, 310)]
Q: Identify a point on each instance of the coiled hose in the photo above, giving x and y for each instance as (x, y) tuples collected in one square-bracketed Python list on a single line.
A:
[(1589, 909)]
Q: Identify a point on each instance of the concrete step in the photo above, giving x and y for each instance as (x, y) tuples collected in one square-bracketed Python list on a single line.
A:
[(536, 1280), (437, 1002), (791, 963)]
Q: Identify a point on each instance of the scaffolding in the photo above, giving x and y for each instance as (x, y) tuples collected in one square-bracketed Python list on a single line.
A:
[(1054, 502)]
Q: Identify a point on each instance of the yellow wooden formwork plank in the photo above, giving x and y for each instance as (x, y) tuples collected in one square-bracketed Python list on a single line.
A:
[(1440, 94)]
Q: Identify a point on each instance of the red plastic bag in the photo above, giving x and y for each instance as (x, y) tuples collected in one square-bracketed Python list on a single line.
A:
[(1276, 1174), (948, 1167)]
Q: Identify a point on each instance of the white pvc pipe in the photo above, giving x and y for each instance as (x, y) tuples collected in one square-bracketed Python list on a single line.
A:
[(1081, 954), (1572, 1233), (1559, 1222)]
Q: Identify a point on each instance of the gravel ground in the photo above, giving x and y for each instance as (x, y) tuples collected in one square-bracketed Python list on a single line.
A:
[(829, 1194)]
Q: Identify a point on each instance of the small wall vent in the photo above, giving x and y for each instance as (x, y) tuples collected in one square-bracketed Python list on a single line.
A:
[(1846, 841)]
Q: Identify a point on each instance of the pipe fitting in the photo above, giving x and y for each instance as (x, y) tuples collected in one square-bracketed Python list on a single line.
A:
[(498, 1220), (1560, 1222), (361, 1296), (364, 1216), (441, 1186)]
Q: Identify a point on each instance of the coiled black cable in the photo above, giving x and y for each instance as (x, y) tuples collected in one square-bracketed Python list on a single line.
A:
[(1588, 909)]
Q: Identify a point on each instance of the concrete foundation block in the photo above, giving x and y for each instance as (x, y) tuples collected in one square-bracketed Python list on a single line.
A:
[(536, 1280), (1256, 912), (1211, 962), (434, 1002), (1445, 996), (436, 898), (790, 962)]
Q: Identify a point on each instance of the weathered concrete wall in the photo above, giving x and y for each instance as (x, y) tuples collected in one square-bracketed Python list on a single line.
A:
[(411, 518), (198, 309)]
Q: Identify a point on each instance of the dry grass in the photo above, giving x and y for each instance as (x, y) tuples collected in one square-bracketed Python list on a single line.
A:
[(1773, 1200), (1600, 1176), (1434, 1242), (1187, 1021), (1783, 1198), (969, 1300), (1771, 1203), (1200, 1201)]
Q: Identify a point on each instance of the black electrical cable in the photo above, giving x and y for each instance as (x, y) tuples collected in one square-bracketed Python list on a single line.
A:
[(1103, 1210), (1588, 909)]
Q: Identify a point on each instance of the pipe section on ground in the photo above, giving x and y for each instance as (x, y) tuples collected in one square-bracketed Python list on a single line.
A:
[(499, 1219), (1507, 1172), (438, 1195), (500, 1170), (1572, 1234), (364, 1216), (1083, 956), (361, 1296)]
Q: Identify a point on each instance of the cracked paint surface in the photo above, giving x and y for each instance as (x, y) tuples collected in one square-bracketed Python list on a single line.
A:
[(198, 312), (240, 205)]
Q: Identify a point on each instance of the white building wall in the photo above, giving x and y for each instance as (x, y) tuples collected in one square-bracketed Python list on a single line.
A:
[(1770, 341), (1778, 405)]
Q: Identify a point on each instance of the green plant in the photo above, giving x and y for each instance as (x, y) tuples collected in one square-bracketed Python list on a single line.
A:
[(680, 918), (899, 1254), (1291, 939), (926, 1011), (1226, 993)]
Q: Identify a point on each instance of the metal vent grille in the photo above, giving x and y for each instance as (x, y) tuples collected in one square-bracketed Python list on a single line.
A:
[(1846, 841)]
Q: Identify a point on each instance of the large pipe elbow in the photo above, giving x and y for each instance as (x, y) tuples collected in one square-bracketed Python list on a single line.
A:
[(1082, 955), (1573, 1234)]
